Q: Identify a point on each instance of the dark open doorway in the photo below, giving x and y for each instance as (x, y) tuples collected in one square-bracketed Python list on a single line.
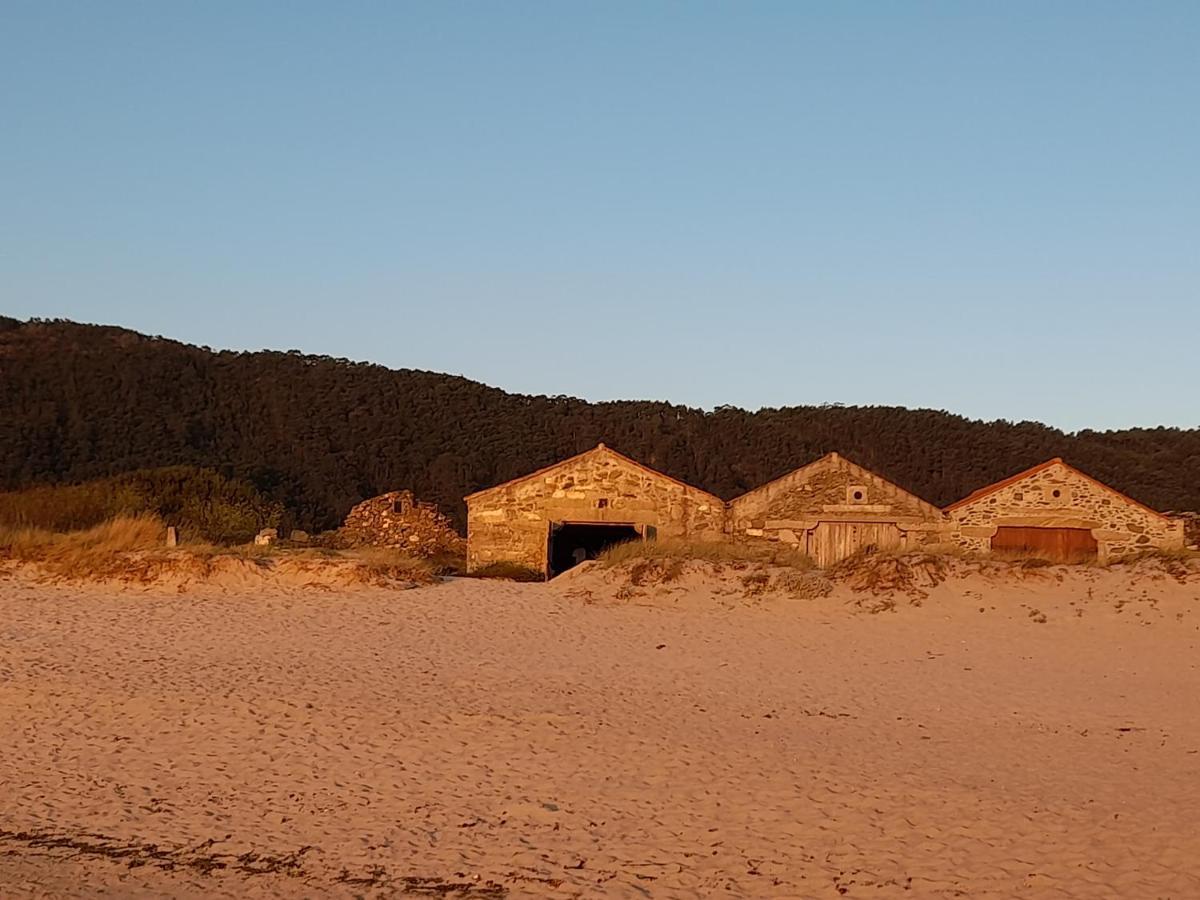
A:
[(571, 543)]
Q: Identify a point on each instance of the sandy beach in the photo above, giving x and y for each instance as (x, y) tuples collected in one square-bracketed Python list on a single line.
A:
[(988, 737)]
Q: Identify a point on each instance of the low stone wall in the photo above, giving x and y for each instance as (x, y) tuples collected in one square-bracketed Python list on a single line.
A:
[(397, 520)]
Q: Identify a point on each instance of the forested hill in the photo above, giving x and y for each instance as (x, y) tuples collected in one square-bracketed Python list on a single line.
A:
[(318, 434)]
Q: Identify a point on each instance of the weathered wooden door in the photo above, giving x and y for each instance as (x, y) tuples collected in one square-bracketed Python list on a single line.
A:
[(831, 542), (1067, 545)]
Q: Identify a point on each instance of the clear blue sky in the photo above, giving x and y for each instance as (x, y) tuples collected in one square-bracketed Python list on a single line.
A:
[(990, 208)]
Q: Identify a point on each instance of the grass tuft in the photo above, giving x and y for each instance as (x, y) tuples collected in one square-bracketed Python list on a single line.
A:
[(389, 564), (507, 571), (764, 552), (119, 534), (885, 573), (1173, 554), (95, 552)]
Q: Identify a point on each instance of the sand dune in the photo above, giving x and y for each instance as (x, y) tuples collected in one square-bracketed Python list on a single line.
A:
[(986, 736)]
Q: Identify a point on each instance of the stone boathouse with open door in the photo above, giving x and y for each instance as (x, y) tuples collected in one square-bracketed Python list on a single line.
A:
[(551, 519), (833, 508), (1056, 512)]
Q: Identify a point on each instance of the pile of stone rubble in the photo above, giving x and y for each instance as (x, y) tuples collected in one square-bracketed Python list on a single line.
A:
[(397, 520)]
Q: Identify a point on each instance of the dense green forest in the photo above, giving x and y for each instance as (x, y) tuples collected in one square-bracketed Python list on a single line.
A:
[(315, 435)]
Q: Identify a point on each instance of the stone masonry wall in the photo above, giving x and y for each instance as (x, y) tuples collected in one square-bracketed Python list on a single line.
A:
[(1191, 528), (510, 523), (831, 489), (397, 520), (1121, 527)]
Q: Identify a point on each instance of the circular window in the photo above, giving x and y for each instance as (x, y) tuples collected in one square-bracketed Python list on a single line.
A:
[(858, 495), (1056, 493)]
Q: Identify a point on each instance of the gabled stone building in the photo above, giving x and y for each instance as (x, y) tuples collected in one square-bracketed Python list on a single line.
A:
[(833, 508), (1056, 512), (552, 519)]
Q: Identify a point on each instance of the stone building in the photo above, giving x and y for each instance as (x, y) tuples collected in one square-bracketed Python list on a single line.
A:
[(551, 519), (833, 508), (1056, 512), (397, 520)]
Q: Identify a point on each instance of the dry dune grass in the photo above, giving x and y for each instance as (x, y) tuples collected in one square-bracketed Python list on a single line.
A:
[(97, 552), (387, 564), (869, 581), (504, 571), (884, 573), (132, 549), (705, 551), (1170, 555), (121, 533)]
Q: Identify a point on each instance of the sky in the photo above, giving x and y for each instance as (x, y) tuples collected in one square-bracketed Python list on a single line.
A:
[(988, 208)]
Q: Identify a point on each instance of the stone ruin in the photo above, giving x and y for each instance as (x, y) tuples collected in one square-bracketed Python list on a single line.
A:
[(397, 520), (1191, 528)]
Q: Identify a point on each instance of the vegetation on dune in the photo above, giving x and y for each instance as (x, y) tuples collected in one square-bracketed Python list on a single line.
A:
[(133, 548), (202, 503), (507, 571), (874, 578), (1167, 554), (122, 534), (391, 565), (763, 552), (96, 552)]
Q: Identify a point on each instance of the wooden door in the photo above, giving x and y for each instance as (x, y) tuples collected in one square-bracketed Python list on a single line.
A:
[(831, 542), (1066, 545)]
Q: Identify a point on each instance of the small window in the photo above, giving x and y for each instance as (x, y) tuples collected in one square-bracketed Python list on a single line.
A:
[(1059, 495), (602, 503), (856, 493), (398, 507)]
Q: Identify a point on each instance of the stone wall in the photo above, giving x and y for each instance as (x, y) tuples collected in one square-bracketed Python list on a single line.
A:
[(397, 520), (1191, 528), (1055, 495), (510, 523), (831, 489)]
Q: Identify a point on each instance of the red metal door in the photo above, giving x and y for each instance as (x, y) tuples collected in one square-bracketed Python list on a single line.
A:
[(1067, 545)]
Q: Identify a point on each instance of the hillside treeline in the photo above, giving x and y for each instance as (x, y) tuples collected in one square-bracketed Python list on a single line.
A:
[(316, 434)]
